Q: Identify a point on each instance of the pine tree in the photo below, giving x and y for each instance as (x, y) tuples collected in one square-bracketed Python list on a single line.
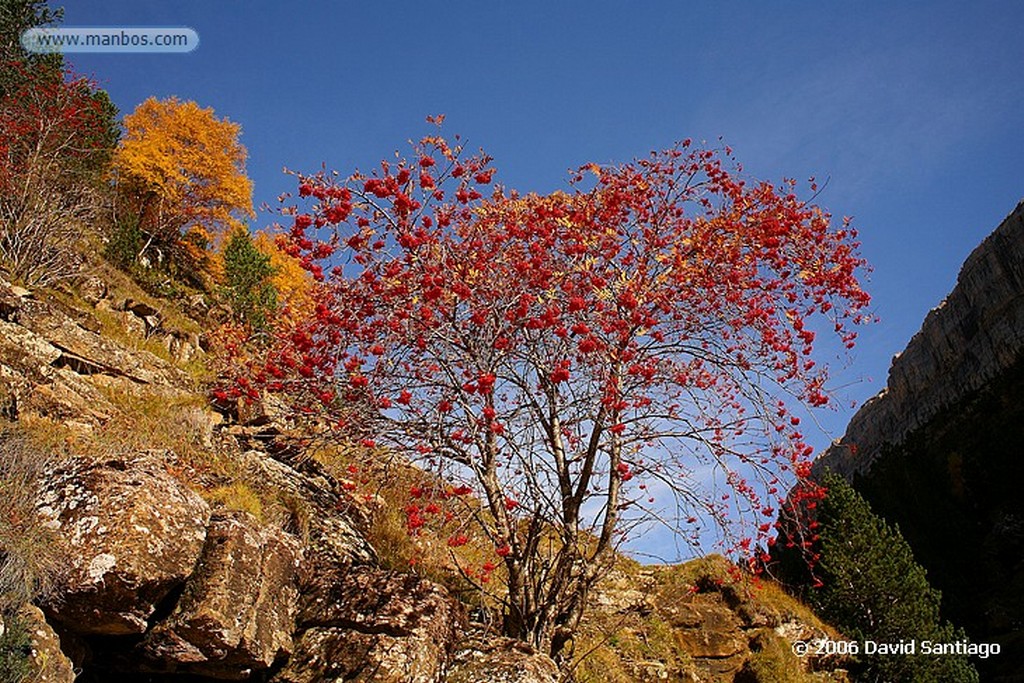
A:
[(248, 271), (874, 590)]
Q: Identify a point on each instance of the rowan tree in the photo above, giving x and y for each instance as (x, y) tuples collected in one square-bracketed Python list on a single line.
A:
[(180, 173), (628, 350)]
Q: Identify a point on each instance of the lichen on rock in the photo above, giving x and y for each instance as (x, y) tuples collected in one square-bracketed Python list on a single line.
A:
[(133, 534)]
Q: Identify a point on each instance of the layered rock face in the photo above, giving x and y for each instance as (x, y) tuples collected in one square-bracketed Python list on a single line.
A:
[(237, 614), (975, 334), (938, 451)]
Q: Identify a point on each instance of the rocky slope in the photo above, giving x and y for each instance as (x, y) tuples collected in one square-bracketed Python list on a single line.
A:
[(938, 450), (162, 540)]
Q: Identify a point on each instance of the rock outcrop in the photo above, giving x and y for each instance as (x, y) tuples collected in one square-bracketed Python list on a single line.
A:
[(47, 661), (374, 625), (485, 658), (54, 362), (976, 333), (133, 534), (937, 452), (693, 622)]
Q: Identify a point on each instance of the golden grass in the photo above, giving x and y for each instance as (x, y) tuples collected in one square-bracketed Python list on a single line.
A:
[(238, 496), (31, 555)]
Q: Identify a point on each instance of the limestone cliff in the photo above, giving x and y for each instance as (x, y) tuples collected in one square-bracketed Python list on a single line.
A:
[(973, 335), (938, 450)]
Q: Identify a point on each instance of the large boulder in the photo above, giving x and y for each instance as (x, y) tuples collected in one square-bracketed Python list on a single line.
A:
[(133, 534), (237, 613), (374, 625)]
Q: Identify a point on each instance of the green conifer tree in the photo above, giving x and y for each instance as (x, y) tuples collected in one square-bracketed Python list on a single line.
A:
[(247, 272), (874, 590)]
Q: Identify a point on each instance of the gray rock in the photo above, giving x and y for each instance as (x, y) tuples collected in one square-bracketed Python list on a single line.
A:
[(133, 534), (237, 613), (973, 335)]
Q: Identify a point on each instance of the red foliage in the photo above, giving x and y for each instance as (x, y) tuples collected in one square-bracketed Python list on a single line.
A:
[(47, 112), (657, 318)]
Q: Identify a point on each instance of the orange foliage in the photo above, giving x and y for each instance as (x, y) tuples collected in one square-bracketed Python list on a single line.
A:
[(293, 283), (180, 168)]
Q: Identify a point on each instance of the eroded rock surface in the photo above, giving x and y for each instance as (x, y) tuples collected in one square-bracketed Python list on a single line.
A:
[(133, 534), (693, 622), (95, 353), (334, 524), (237, 613), (48, 662), (53, 361)]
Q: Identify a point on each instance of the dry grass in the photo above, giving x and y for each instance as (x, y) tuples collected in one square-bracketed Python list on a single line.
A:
[(238, 496), (121, 286), (31, 556), (182, 424)]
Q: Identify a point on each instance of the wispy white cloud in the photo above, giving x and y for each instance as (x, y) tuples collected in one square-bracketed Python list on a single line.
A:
[(864, 117)]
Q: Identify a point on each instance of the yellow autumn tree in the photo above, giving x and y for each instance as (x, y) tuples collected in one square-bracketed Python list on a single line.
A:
[(180, 175)]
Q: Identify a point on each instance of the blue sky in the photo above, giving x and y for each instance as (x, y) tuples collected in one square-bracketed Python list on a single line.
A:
[(913, 110)]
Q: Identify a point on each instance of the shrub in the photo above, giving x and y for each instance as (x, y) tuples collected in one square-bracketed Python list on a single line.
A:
[(57, 132)]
